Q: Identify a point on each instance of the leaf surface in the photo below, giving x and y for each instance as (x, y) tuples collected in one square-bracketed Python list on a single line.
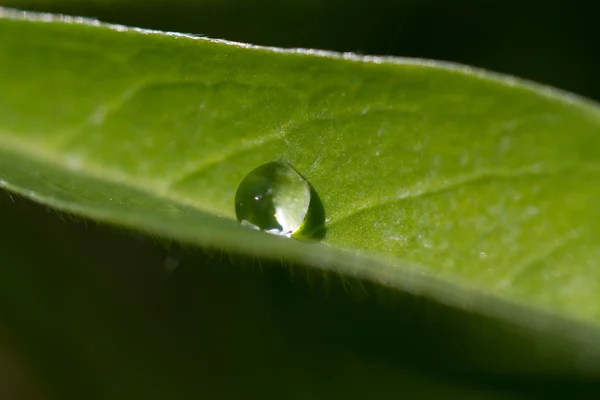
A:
[(475, 189)]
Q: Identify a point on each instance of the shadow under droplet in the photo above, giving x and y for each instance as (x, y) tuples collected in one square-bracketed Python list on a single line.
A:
[(314, 228)]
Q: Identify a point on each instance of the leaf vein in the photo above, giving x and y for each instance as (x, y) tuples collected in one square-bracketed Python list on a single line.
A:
[(197, 169), (528, 263), (420, 190)]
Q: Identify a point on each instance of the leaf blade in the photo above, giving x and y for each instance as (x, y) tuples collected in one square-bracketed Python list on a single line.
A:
[(437, 179)]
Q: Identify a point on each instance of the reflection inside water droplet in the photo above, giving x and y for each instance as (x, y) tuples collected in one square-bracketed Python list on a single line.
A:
[(275, 198)]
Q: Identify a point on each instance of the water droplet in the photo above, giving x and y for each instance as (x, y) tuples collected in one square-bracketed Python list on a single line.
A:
[(276, 199)]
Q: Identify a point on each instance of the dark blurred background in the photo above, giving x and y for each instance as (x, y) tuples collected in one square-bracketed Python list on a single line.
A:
[(95, 312)]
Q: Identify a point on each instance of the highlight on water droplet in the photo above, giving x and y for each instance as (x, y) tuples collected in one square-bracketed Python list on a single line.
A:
[(275, 198)]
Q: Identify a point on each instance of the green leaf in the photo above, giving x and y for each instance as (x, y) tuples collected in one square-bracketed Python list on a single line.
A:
[(480, 191)]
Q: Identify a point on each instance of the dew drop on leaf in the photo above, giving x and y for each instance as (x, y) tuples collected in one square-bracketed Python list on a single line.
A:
[(273, 198)]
